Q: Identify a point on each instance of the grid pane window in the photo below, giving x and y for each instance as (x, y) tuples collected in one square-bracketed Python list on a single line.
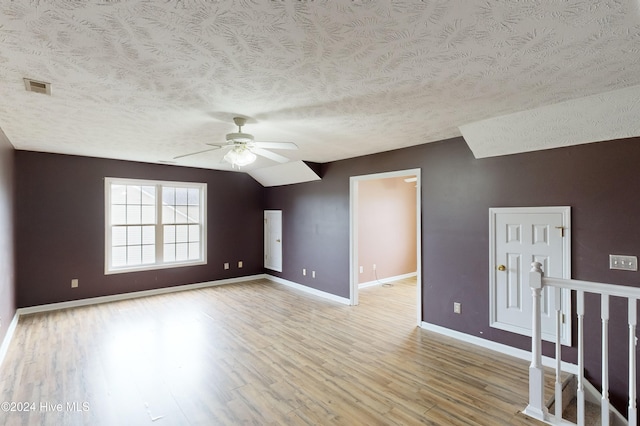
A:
[(133, 194), (181, 251), (181, 196), (181, 207), (119, 256), (169, 252), (133, 245), (194, 197), (194, 250), (193, 213), (153, 225), (118, 214), (181, 214), (148, 235), (134, 255), (148, 214), (194, 233), (148, 254), (118, 236)]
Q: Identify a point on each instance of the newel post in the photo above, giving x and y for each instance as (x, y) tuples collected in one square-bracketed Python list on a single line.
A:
[(536, 407)]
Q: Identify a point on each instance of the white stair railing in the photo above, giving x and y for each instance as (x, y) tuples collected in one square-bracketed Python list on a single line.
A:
[(604, 316), (536, 407)]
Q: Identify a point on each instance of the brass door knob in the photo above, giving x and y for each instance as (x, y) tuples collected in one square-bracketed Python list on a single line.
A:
[(502, 268)]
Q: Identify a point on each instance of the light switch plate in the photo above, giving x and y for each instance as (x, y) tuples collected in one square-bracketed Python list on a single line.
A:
[(624, 263)]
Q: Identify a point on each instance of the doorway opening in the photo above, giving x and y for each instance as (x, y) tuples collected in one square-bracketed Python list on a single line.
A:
[(398, 256)]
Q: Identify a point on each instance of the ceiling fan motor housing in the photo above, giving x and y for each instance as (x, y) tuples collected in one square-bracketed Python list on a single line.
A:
[(239, 137)]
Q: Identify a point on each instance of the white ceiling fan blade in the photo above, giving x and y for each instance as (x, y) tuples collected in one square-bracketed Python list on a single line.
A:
[(270, 155), (276, 145), (198, 152)]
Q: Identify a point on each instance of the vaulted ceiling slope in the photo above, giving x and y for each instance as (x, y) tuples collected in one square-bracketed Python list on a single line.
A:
[(151, 80)]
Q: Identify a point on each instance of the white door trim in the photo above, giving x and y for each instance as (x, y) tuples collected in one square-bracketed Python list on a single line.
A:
[(566, 270), (353, 234)]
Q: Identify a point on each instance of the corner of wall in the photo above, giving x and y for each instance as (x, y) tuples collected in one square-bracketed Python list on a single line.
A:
[(7, 240)]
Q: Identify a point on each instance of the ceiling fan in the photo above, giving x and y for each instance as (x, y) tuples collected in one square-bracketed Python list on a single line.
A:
[(243, 149)]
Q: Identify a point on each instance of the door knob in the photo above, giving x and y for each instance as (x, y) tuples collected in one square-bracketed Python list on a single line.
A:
[(502, 268)]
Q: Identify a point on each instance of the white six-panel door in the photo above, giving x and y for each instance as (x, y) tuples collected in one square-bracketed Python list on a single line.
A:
[(520, 236)]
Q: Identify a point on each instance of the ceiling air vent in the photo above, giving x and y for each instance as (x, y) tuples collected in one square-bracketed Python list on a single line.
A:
[(37, 86)]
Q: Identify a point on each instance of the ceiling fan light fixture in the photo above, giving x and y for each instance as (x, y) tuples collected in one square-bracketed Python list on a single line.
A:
[(240, 156)]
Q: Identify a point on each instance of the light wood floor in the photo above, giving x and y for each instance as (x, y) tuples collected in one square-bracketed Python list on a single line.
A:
[(255, 353)]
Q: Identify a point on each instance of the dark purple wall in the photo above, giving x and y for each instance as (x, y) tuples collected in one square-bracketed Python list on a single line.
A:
[(597, 180), (60, 227), (7, 248)]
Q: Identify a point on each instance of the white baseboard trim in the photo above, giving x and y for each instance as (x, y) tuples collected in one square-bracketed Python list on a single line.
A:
[(498, 347), (387, 280), (7, 337), (133, 295), (310, 290)]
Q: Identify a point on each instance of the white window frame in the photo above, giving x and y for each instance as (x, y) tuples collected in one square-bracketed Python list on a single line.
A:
[(159, 234)]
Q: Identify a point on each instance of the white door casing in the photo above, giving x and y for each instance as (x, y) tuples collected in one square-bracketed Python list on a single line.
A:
[(518, 237), (273, 240), (353, 233)]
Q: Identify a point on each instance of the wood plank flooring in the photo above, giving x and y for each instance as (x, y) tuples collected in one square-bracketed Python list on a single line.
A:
[(254, 353)]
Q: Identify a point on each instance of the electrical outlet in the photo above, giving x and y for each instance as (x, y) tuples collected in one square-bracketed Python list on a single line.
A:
[(304, 271), (239, 263), (374, 266), (457, 307), (624, 263), (226, 265), (74, 283), (361, 269), (313, 274)]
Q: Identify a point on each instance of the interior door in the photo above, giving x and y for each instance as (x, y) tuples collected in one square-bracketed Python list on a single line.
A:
[(519, 237), (273, 240)]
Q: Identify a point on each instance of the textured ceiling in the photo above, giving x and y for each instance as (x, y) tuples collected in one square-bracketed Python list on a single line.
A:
[(151, 80), (601, 117)]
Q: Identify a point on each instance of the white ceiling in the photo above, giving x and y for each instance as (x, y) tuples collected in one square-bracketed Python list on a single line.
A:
[(150, 80)]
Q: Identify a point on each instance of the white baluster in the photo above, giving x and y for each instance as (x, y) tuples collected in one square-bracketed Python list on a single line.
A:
[(536, 407), (604, 314), (580, 394), (633, 321), (558, 383)]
